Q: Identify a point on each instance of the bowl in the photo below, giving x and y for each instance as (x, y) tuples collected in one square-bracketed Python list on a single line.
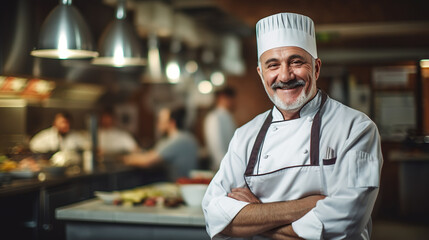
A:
[(108, 197), (193, 193)]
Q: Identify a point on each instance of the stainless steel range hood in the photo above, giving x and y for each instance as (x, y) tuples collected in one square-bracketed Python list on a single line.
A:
[(74, 79)]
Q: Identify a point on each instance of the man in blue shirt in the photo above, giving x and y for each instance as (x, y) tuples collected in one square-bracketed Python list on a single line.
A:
[(178, 149)]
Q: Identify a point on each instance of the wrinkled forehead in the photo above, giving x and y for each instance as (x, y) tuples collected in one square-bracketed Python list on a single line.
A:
[(283, 53)]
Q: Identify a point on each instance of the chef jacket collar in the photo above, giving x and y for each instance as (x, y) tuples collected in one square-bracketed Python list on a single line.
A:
[(309, 109)]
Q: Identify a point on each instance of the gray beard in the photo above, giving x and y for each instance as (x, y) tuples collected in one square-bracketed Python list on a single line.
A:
[(299, 102), (296, 105)]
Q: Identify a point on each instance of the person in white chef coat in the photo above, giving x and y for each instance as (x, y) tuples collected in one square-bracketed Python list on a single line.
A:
[(219, 125), (309, 167), (59, 137), (113, 140)]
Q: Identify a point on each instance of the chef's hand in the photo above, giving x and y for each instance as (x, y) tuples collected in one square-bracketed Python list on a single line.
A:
[(243, 194), (282, 233)]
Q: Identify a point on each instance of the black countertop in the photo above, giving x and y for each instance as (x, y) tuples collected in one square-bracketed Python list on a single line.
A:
[(14, 186)]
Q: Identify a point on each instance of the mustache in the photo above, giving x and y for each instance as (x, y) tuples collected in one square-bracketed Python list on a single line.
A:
[(294, 83)]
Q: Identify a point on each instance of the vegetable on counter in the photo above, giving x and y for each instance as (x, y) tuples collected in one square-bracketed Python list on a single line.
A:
[(7, 165), (157, 194)]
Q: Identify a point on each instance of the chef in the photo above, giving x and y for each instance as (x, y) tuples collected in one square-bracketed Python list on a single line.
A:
[(112, 139), (59, 137), (219, 125), (309, 167)]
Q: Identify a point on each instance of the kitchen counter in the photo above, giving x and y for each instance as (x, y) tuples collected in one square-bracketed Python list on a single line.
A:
[(92, 219), (96, 210), (413, 175), (24, 185), (28, 205)]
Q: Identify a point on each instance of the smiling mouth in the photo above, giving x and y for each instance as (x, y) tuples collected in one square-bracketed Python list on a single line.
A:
[(292, 84)]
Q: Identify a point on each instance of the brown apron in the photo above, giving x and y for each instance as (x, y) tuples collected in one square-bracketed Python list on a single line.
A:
[(292, 182)]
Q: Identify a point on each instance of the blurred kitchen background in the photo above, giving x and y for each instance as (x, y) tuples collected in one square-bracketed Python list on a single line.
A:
[(375, 58)]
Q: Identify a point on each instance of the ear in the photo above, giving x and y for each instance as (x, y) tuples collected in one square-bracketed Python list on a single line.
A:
[(258, 69), (317, 66)]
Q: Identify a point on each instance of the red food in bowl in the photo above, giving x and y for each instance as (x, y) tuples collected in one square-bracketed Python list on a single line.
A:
[(185, 180)]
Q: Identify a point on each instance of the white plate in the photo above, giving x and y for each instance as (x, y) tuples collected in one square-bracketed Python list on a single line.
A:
[(108, 197)]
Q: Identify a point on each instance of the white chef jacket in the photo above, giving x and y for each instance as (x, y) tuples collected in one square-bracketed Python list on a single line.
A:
[(219, 127), (115, 140), (49, 140), (350, 185)]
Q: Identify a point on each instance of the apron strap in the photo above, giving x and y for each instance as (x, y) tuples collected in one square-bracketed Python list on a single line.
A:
[(258, 144), (315, 134), (314, 142)]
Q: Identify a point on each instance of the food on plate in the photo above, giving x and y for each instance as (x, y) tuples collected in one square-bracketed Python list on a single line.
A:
[(3, 158), (7, 165), (137, 195), (30, 164), (173, 202), (157, 194), (150, 202)]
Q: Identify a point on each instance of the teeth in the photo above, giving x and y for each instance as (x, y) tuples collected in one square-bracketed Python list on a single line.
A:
[(289, 85)]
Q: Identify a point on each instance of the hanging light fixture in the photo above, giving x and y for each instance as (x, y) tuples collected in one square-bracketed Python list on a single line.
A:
[(205, 87), (173, 70), (154, 69), (119, 45), (217, 78), (64, 35)]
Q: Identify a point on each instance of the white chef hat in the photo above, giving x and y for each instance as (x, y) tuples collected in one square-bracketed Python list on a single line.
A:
[(286, 29)]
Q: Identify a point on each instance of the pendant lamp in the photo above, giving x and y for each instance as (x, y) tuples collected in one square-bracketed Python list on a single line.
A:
[(172, 70), (154, 72), (119, 45), (64, 35)]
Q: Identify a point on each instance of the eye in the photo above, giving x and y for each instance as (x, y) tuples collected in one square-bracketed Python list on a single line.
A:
[(297, 62), (273, 65)]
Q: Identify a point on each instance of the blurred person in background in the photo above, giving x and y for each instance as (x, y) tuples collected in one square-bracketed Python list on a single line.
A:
[(219, 126), (112, 139), (59, 137), (177, 148)]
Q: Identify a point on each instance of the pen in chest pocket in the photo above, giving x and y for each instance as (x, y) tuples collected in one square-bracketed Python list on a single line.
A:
[(330, 153)]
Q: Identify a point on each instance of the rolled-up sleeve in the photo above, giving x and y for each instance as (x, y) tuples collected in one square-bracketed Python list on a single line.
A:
[(219, 209), (352, 189), (219, 213)]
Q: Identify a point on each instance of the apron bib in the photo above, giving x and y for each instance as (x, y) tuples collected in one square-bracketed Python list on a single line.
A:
[(293, 182)]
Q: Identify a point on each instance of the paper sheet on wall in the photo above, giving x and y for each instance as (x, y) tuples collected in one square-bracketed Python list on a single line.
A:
[(392, 76), (360, 98), (395, 114)]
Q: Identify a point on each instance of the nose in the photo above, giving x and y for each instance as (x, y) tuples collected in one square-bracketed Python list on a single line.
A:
[(285, 73)]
